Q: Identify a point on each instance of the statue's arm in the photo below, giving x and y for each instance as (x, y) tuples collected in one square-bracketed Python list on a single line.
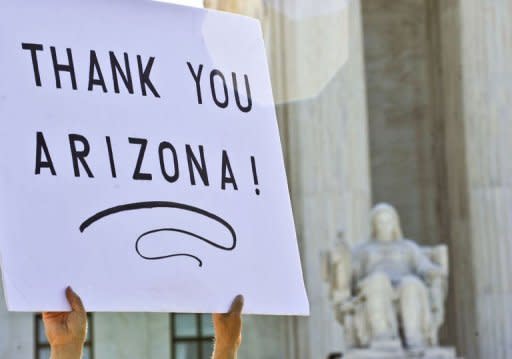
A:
[(357, 268), (424, 266), (338, 272)]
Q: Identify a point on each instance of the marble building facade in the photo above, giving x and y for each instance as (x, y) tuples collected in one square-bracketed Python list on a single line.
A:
[(418, 116)]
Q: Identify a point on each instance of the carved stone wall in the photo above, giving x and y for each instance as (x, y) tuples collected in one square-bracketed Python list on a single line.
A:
[(326, 147), (476, 41)]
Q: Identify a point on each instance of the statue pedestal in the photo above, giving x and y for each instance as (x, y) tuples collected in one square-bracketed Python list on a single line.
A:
[(428, 353)]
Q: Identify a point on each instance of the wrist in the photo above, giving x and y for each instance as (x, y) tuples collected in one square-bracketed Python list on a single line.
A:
[(66, 351), (225, 351)]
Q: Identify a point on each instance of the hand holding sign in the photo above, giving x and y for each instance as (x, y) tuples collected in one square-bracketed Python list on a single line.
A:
[(228, 330), (66, 331)]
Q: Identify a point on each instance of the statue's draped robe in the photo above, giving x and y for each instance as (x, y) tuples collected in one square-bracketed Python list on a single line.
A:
[(391, 279)]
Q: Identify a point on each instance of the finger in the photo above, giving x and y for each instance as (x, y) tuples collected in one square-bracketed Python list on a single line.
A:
[(237, 305), (74, 300)]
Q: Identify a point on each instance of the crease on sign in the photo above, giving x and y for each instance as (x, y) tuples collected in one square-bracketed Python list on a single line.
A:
[(161, 204)]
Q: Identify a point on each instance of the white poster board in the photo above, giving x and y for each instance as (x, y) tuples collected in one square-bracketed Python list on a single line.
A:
[(141, 162)]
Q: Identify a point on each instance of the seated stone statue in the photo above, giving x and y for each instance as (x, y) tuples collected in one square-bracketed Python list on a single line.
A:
[(388, 290)]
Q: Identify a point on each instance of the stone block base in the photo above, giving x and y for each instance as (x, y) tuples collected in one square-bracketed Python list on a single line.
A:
[(429, 353)]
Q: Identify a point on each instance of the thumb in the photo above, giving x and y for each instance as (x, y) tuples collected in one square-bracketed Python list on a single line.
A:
[(237, 305), (74, 300)]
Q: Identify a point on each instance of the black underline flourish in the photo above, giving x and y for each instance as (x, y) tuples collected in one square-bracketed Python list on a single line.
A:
[(161, 204)]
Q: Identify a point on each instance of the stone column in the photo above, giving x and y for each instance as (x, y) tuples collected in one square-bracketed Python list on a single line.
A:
[(325, 141), (476, 43)]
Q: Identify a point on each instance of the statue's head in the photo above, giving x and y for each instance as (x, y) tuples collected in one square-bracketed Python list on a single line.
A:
[(385, 223)]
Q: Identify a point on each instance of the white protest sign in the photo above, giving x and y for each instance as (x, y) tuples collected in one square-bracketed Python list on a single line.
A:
[(141, 161)]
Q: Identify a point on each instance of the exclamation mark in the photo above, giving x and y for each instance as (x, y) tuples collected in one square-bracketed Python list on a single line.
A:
[(255, 174)]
